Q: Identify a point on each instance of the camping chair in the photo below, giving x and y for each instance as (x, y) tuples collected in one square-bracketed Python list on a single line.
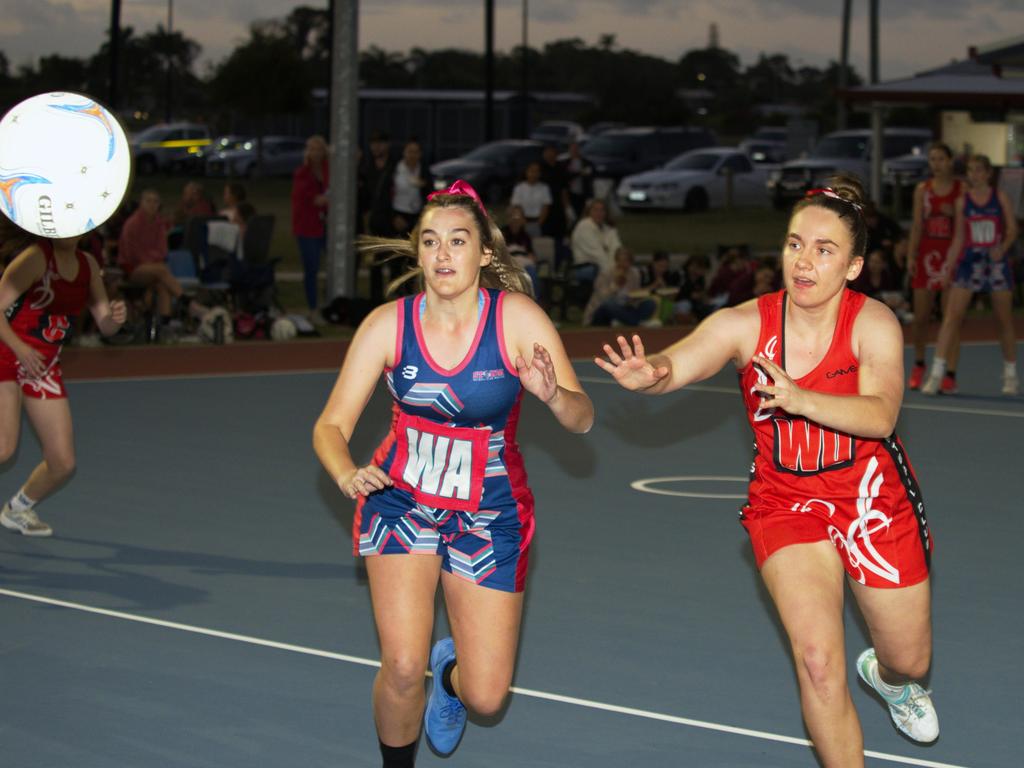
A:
[(253, 274)]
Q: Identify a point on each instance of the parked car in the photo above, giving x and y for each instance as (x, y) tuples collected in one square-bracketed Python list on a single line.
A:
[(169, 147), (848, 151), (764, 151), (697, 180), (492, 168), (626, 151), (281, 155), (557, 132)]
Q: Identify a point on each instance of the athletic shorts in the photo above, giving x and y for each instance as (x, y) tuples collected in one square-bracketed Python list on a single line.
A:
[(929, 266), (488, 547), (878, 549), (978, 273), (48, 386)]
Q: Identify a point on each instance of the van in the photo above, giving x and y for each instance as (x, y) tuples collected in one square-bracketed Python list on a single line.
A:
[(626, 151)]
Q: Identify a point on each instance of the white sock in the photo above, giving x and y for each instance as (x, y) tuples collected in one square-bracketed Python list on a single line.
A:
[(20, 502), (938, 367), (1010, 369)]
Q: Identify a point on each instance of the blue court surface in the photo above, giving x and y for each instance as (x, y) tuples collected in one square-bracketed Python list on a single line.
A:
[(199, 605)]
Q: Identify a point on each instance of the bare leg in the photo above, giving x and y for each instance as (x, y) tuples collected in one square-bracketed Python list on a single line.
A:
[(806, 584), (953, 317), (402, 588), (899, 621), (1002, 308), (10, 418), (953, 353), (51, 419), (923, 301), (485, 628)]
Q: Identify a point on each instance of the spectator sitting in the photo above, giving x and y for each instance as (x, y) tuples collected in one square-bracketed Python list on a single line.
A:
[(595, 240), (534, 197), (878, 280), (662, 282), (519, 242), (763, 278), (234, 195), (733, 263), (691, 300), (142, 253), (618, 297), (194, 202)]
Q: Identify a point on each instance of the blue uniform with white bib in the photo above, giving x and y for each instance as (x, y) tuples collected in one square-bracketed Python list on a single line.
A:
[(459, 488), (984, 228)]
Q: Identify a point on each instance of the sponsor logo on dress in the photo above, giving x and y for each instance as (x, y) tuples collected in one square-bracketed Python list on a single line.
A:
[(492, 375), (410, 371)]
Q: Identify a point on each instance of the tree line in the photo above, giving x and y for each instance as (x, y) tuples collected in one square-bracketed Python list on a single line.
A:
[(284, 62)]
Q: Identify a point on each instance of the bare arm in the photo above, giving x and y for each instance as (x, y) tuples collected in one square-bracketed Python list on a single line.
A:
[(721, 337), (368, 355), (872, 412), (957, 243), (1012, 230), (109, 315), (917, 224), (544, 369), (26, 268)]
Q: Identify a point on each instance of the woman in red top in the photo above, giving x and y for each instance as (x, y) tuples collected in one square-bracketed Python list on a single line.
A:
[(309, 212), (142, 253), (821, 370), (42, 292)]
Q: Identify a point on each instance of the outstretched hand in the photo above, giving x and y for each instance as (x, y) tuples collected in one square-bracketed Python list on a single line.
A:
[(538, 376), (783, 392), (629, 366)]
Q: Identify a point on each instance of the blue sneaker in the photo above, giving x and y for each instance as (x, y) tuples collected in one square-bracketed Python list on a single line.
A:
[(445, 718)]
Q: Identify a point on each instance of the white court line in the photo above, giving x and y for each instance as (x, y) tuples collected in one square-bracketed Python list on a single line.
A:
[(527, 692), (909, 406)]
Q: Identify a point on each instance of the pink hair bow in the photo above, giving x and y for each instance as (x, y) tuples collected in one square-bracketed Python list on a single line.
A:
[(460, 187)]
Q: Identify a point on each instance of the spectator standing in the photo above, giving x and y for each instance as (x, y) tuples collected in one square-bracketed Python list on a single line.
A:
[(310, 184), (554, 174), (581, 179), (534, 197), (377, 173), (411, 185)]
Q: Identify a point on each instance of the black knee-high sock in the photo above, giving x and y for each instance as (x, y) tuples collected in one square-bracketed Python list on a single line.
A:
[(398, 757), (446, 679)]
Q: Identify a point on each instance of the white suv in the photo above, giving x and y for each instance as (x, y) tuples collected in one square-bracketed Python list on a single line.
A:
[(169, 147), (848, 151)]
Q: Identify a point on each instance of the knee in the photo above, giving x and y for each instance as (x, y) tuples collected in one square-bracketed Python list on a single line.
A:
[(7, 447), (403, 673), (822, 666), (61, 464), (484, 697), (909, 664)]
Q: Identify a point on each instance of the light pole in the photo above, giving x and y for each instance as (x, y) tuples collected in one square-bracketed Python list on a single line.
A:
[(525, 92), (170, 75)]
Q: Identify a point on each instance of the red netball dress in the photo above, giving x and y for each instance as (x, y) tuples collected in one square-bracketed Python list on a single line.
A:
[(812, 483), (43, 317), (938, 215)]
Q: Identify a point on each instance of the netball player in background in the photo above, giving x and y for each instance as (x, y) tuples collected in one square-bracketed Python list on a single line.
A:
[(930, 236), (445, 498), (976, 262), (42, 291), (831, 489)]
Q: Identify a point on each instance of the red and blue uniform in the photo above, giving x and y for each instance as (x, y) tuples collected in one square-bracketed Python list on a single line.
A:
[(44, 317), (984, 228), (811, 483), (460, 487)]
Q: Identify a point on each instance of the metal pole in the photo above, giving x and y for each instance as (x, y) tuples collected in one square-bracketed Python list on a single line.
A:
[(525, 94), (489, 70), (344, 144), (873, 32), (844, 63), (877, 133), (168, 111), (114, 51)]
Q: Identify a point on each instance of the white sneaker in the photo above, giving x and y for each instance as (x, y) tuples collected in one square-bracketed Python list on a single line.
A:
[(911, 709), (26, 522), (1011, 385), (931, 385)]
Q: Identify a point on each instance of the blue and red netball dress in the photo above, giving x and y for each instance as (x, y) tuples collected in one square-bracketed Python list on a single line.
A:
[(938, 212), (811, 483), (43, 318), (984, 228), (459, 483)]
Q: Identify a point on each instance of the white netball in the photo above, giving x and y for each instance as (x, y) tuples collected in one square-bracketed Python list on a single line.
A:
[(65, 164)]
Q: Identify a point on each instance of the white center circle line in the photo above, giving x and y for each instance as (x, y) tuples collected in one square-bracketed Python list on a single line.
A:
[(645, 485)]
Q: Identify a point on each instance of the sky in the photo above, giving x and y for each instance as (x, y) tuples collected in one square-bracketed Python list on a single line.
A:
[(915, 35)]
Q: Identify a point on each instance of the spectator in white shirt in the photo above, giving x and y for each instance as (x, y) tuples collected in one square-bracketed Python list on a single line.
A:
[(595, 240), (410, 186), (534, 197)]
